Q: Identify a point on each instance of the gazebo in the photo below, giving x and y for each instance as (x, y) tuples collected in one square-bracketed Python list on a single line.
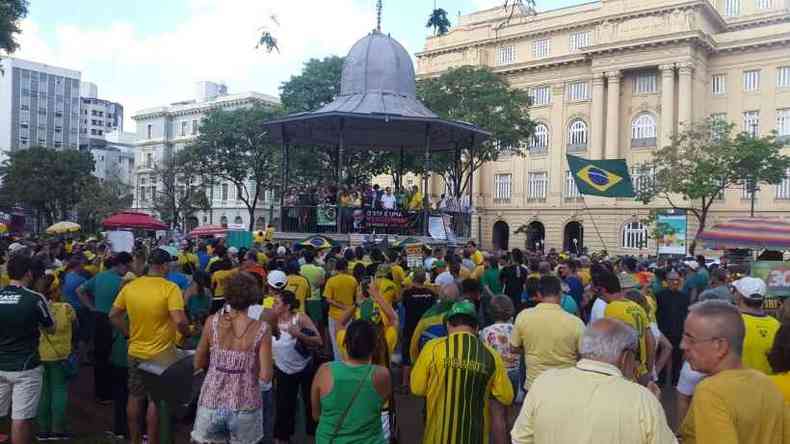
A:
[(377, 108)]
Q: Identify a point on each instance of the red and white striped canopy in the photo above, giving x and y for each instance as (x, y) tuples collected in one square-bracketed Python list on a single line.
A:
[(748, 232), (208, 230)]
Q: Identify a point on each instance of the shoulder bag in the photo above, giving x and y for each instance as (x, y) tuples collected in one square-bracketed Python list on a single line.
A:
[(350, 403)]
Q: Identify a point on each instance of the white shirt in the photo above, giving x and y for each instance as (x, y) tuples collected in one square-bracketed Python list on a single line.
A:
[(598, 310), (444, 278), (388, 201)]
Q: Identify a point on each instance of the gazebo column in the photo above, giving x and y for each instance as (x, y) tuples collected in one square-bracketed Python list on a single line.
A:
[(426, 206), (339, 175), (283, 179)]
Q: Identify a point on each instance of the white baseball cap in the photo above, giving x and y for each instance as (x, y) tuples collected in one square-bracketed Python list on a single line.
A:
[(751, 288), (692, 264), (277, 279), (281, 251)]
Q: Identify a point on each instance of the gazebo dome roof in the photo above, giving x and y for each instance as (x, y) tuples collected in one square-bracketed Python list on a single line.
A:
[(377, 63)]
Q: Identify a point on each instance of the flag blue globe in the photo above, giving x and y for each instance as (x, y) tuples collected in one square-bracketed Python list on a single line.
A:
[(597, 176)]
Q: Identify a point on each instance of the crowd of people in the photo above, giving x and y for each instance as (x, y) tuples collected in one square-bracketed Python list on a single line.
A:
[(507, 347)]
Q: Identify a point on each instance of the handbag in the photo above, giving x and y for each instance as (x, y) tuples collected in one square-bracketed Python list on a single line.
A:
[(350, 403)]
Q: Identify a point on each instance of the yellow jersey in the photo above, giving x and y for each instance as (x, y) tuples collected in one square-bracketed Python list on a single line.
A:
[(148, 301), (760, 334), (218, 281), (634, 315), (299, 286), (57, 346), (457, 375), (388, 289), (341, 288), (782, 380)]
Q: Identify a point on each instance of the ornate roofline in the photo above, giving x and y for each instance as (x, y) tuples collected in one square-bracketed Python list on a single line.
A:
[(703, 5), (199, 108)]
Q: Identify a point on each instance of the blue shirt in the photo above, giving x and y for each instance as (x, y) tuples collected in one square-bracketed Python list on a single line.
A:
[(203, 258), (71, 282), (179, 279), (576, 289)]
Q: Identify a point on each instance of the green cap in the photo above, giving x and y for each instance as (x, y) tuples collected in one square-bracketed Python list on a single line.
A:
[(462, 308), (438, 264)]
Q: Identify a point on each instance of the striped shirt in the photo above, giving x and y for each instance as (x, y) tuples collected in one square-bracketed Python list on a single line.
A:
[(457, 374)]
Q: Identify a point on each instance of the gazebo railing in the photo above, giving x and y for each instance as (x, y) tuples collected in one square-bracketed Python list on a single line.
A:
[(325, 219)]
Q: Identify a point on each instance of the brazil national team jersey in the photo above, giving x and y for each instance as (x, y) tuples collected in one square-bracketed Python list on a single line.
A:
[(760, 334), (634, 315), (430, 326), (457, 374)]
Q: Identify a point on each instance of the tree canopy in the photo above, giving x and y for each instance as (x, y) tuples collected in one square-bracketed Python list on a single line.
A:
[(704, 160), (439, 22), (477, 95), (181, 188), (101, 199), (11, 12)]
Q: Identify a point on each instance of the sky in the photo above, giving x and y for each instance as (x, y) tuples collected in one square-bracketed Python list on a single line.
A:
[(146, 53)]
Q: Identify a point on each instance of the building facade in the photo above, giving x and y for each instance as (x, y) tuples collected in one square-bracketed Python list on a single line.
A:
[(39, 106), (98, 117), (165, 130), (615, 79), (116, 157)]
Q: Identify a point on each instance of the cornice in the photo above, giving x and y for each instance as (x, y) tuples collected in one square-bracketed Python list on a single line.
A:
[(198, 108), (706, 7), (540, 64), (752, 21)]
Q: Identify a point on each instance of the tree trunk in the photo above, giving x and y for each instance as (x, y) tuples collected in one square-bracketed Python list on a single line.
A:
[(702, 220)]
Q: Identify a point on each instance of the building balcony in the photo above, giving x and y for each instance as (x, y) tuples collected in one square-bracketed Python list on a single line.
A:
[(646, 142), (576, 147)]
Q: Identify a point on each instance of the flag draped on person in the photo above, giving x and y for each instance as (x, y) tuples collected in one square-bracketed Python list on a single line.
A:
[(606, 178)]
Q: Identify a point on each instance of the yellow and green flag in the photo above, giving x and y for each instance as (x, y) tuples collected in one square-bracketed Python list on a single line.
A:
[(606, 178)]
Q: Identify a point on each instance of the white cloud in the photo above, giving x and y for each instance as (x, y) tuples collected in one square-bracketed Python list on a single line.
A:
[(215, 41)]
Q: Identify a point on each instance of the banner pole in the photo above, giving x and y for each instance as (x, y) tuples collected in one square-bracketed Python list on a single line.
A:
[(598, 232)]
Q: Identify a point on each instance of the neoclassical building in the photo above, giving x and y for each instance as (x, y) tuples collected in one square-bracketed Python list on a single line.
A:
[(613, 79)]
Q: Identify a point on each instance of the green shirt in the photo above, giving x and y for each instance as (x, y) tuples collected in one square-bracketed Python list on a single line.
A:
[(491, 278), (314, 275), (22, 313), (104, 287), (362, 423)]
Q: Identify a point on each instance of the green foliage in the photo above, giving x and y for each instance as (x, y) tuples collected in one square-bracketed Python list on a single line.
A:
[(477, 95), (101, 199), (317, 85), (180, 191), (50, 182), (705, 159), (11, 12), (439, 22), (232, 147)]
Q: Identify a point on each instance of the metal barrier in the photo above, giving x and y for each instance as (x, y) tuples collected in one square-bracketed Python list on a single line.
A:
[(324, 219)]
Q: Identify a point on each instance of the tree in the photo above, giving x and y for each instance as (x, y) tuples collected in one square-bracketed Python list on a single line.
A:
[(317, 85), (233, 147), (476, 95), (705, 159), (101, 199), (180, 192), (439, 22), (11, 12), (50, 182)]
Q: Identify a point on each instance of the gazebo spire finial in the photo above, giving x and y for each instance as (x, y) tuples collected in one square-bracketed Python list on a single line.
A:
[(379, 7)]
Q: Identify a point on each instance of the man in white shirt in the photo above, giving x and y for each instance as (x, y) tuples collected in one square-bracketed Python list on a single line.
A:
[(388, 199)]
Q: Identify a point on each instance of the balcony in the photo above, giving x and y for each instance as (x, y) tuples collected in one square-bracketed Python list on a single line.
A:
[(576, 147), (646, 142)]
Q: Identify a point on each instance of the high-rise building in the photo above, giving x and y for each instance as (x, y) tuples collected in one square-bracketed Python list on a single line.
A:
[(98, 116), (165, 130), (616, 79), (39, 105), (116, 157)]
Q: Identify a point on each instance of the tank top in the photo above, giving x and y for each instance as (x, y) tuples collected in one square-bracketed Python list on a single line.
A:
[(232, 378), (286, 358), (362, 424)]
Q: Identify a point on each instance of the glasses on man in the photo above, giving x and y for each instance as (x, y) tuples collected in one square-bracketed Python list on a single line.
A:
[(694, 340)]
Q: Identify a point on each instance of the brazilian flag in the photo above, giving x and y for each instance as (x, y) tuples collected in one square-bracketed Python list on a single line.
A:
[(607, 178)]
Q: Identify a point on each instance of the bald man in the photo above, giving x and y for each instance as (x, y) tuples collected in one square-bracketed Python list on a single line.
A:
[(616, 409), (733, 404)]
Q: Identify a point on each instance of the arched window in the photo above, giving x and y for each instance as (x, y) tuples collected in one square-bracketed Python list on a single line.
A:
[(634, 236), (540, 139), (577, 135), (643, 130)]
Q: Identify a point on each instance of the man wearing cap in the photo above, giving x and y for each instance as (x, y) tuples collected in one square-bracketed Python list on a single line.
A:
[(340, 293), (695, 282), (457, 375), (760, 327), (155, 308), (672, 305), (733, 404)]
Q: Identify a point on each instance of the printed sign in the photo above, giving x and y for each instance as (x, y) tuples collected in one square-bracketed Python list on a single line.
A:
[(777, 277), (671, 230), (327, 215)]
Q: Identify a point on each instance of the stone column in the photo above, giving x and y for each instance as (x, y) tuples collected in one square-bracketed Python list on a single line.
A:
[(596, 142), (613, 115), (684, 93), (667, 104)]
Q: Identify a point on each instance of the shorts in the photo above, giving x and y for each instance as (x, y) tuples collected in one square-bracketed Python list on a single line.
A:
[(21, 391), (228, 426), (136, 383)]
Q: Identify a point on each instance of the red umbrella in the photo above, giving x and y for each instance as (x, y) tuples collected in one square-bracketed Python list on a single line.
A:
[(208, 230), (748, 232), (133, 219)]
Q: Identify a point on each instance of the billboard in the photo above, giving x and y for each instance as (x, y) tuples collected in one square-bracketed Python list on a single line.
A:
[(776, 275)]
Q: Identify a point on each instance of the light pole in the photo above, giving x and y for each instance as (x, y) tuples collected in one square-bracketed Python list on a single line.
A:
[(753, 189)]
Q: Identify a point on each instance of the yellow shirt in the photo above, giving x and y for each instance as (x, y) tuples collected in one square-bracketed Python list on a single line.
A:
[(782, 380), (477, 273), (415, 203), (634, 315), (477, 257), (736, 407), (457, 375), (760, 334), (398, 276), (92, 269), (388, 290), (341, 288), (616, 410), (148, 301), (57, 346), (584, 276), (262, 258), (550, 338), (218, 281), (269, 234), (299, 286), (188, 258)]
